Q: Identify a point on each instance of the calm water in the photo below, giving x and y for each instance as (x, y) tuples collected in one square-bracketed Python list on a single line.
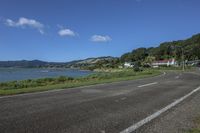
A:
[(10, 74)]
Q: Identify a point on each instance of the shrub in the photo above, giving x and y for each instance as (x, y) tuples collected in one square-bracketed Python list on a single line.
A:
[(136, 69)]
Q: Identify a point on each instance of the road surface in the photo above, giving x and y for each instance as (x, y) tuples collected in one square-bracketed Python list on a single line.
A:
[(105, 108)]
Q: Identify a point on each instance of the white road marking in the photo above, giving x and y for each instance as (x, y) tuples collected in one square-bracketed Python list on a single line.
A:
[(123, 98), (158, 113), (148, 84), (103, 131), (176, 77)]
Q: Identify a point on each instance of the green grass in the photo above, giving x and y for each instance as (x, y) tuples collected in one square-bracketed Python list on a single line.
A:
[(27, 86), (197, 129), (194, 131)]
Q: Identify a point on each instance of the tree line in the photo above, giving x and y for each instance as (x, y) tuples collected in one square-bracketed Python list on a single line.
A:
[(190, 48)]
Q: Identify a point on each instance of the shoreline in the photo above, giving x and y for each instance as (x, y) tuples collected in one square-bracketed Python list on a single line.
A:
[(18, 74)]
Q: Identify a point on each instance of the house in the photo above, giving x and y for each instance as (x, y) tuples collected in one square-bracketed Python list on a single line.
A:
[(193, 63), (128, 65), (169, 62)]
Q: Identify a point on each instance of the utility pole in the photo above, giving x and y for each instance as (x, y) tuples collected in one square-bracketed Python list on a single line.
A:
[(183, 59)]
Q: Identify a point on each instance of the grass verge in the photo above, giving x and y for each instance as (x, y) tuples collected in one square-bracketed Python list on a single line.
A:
[(197, 129), (37, 85)]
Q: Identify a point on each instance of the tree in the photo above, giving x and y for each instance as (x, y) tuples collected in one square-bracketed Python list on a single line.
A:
[(167, 50), (149, 60)]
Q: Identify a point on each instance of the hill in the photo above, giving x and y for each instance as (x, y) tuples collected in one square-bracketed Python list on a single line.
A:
[(190, 48), (22, 63), (92, 63), (37, 63)]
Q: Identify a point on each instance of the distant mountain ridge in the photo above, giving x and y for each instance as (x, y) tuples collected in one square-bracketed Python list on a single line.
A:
[(39, 63), (25, 63), (190, 48), (94, 60)]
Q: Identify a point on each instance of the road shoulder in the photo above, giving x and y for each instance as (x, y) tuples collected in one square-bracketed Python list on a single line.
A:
[(180, 119)]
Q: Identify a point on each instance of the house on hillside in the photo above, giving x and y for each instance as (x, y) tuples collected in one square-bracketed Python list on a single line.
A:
[(128, 65), (167, 62)]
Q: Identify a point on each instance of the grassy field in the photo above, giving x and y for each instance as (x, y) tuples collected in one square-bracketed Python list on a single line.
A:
[(27, 86)]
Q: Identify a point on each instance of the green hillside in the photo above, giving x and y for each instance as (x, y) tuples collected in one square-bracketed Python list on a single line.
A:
[(190, 48)]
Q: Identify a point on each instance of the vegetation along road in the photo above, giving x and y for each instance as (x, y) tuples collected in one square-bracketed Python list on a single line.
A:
[(44, 84), (126, 106)]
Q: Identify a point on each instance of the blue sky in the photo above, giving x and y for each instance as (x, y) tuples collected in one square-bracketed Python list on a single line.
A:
[(65, 30)]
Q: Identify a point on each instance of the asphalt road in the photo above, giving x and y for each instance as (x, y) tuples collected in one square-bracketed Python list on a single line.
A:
[(108, 108)]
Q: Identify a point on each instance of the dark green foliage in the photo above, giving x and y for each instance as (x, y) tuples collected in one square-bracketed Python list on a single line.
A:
[(136, 69), (103, 63), (167, 50), (194, 131)]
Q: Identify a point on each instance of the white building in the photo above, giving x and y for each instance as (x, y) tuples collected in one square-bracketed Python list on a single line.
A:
[(128, 65), (170, 62)]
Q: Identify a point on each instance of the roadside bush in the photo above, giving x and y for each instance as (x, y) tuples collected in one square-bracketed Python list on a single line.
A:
[(61, 79), (137, 69), (48, 79), (34, 82)]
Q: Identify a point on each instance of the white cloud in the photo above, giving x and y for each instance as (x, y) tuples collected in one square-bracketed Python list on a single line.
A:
[(100, 38), (25, 22), (66, 32)]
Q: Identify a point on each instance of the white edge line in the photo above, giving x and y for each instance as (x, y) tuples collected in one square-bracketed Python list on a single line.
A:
[(148, 84), (156, 114)]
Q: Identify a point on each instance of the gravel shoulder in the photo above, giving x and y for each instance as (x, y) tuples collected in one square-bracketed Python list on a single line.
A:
[(180, 119)]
